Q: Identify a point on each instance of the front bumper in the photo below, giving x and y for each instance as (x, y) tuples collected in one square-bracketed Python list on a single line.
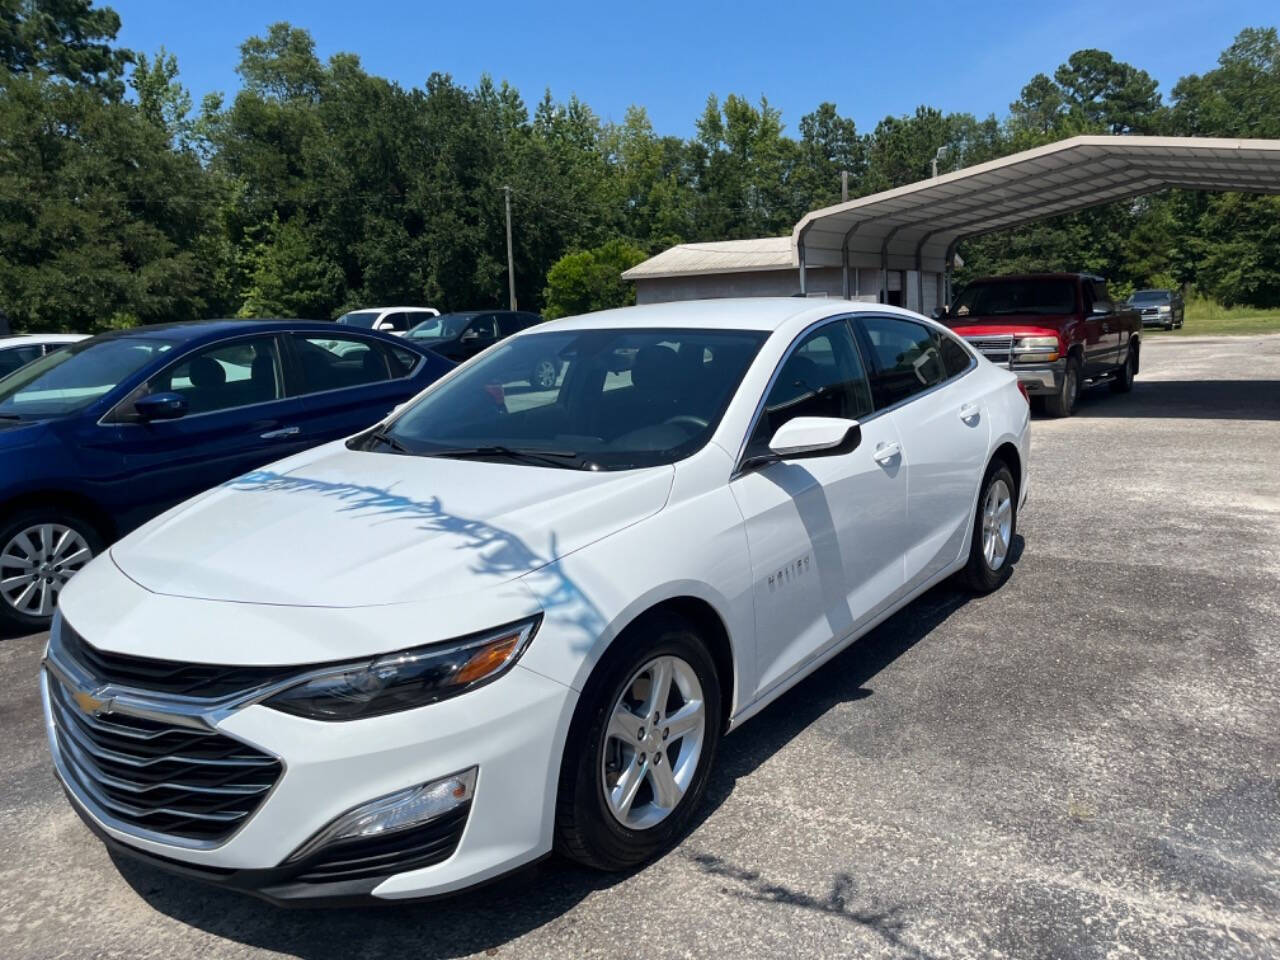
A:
[(1157, 321), (512, 730), (1040, 379)]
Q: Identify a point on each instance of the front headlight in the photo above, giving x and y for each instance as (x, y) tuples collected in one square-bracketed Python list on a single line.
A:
[(408, 679), (1165, 309), (1035, 350)]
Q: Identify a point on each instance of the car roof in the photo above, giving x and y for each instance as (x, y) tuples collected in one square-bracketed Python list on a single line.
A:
[(747, 313), (193, 330), (379, 309), (18, 338), (996, 278)]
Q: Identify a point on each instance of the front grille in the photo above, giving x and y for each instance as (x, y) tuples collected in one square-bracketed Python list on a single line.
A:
[(173, 780), (384, 854), (996, 349), (206, 680)]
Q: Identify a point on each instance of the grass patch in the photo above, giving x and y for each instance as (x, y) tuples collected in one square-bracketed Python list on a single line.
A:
[(1205, 317)]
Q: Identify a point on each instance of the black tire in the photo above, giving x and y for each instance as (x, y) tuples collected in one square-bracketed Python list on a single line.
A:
[(1169, 325), (1063, 403), (11, 618), (586, 829), (1123, 381), (981, 575)]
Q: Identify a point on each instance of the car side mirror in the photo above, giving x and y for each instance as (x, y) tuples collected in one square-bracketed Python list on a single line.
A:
[(938, 313), (1100, 310), (160, 406), (815, 437)]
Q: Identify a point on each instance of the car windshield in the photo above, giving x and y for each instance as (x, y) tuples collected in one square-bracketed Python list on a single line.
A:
[(361, 318), (1150, 296), (440, 328), (72, 378), (1040, 297), (618, 399)]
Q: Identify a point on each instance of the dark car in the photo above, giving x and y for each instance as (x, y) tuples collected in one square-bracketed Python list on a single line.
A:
[(104, 434), (1158, 308), (460, 336)]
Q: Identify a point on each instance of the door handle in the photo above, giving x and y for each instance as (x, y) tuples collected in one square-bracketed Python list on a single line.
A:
[(886, 452), (281, 433), (969, 411)]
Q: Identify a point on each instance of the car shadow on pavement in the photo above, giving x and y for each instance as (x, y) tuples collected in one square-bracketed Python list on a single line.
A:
[(490, 916), (1186, 400)]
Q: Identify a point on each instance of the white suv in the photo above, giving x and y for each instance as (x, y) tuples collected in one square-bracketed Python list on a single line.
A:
[(509, 619), (394, 320)]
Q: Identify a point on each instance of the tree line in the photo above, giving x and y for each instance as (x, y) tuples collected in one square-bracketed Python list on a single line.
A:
[(319, 187)]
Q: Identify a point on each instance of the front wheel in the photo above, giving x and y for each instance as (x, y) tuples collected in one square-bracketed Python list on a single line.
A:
[(40, 550), (640, 747), (994, 526), (1123, 381), (1063, 403)]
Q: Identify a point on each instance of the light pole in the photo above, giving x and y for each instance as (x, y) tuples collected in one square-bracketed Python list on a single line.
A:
[(936, 157), (511, 264)]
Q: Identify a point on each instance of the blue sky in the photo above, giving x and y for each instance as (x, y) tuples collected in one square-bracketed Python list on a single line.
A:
[(883, 59)]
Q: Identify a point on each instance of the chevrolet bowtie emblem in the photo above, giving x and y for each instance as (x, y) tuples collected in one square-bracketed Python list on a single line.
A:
[(90, 704)]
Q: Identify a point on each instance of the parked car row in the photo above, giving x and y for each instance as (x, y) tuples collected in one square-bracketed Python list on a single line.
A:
[(107, 432), (502, 620), (1059, 332)]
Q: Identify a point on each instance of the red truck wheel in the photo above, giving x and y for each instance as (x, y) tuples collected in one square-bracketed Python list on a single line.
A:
[(1063, 403)]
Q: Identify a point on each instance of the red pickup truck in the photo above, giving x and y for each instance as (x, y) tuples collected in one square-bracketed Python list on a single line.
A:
[(1059, 332)]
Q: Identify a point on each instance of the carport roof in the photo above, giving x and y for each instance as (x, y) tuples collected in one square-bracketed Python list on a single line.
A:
[(914, 226)]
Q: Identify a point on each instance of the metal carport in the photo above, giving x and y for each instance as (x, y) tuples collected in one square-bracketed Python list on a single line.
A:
[(917, 227)]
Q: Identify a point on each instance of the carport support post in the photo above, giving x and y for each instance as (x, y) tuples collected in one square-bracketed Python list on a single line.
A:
[(844, 256), (946, 270), (800, 250), (919, 278)]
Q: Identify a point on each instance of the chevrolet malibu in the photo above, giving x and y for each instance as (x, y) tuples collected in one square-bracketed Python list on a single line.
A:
[(513, 619)]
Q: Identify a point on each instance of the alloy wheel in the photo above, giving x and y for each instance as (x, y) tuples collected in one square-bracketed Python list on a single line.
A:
[(544, 375), (653, 742), (997, 524), (36, 564)]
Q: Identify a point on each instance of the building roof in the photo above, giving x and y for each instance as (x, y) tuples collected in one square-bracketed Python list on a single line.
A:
[(916, 224), (721, 256)]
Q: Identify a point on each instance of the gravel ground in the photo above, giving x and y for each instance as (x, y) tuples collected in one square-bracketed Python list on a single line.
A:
[(1085, 764)]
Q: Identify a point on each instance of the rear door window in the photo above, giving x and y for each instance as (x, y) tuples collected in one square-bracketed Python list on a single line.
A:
[(327, 362), (955, 358), (906, 358)]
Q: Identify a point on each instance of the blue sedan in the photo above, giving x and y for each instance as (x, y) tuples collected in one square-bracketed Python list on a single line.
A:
[(99, 437)]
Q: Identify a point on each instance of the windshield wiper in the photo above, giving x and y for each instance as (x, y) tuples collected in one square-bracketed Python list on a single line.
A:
[(381, 436), (552, 458)]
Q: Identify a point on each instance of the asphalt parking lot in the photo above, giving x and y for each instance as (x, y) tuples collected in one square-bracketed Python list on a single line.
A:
[(1084, 764)]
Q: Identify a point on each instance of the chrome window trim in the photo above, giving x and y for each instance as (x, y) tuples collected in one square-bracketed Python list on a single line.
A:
[(852, 318), (104, 422)]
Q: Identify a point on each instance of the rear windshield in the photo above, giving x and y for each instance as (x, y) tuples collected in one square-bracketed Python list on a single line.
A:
[(364, 318), (1007, 297), (73, 377)]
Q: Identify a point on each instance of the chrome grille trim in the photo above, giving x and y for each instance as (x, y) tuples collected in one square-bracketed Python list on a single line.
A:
[(997, 349)]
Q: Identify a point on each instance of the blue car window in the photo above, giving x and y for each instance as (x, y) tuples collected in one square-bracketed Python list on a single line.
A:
[(331, 362), (225, 376)]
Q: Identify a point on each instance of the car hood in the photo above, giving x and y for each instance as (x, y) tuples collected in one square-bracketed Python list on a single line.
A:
[(1028, 324), (341, 528)]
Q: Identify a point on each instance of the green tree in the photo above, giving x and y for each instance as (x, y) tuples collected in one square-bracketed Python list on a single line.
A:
[(591, 280), (66, 39), (162, 99), (1109, 94)]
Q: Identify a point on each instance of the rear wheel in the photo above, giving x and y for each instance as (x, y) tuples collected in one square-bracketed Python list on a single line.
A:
[(994, 526), (1063, 403), (40, 549), (1123, 381), (640, 748)]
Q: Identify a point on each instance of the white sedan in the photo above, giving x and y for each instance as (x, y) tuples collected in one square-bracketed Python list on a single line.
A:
[(17, 351), (505, 622)]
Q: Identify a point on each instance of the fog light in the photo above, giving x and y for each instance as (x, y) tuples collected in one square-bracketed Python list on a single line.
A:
[(396, 811)]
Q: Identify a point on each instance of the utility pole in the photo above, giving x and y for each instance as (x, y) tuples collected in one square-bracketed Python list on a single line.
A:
[(844, 186), (936, 157), (511, 263)]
